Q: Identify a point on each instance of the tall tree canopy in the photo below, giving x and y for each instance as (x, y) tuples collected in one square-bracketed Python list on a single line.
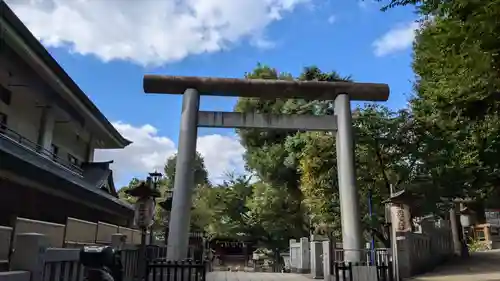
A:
[(304, 163), (167, 186), (200, 171), (456, 62)]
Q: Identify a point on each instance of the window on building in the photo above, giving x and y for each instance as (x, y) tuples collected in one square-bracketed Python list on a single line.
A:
[(494, 231), (480, 235), (55, 151), (5, 95), (72, 159), (3, 122)]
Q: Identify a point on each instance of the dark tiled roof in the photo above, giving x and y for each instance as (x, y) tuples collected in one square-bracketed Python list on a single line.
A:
[(98, 174)]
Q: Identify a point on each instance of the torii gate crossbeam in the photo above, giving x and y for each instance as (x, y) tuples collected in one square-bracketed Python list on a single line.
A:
[(192, 118)]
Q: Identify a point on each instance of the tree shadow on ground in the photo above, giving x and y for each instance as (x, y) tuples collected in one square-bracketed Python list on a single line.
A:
[(481, 266)]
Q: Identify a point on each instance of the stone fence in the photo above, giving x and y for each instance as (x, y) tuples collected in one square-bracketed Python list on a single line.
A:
[(73, 234), (35, 260), (416, 252), (421, 252)]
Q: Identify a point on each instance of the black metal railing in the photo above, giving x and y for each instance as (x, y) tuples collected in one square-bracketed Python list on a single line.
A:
[(19, 139), (176, 270), (346, 271)]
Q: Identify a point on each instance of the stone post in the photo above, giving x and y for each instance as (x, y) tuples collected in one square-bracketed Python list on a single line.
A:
[(327, 259), (349, 203), (29, 254), (305, 263), (401, 227), (316, 259), (118, 240)]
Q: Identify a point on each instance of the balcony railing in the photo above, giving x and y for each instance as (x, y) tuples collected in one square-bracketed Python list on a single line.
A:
[(15, 137)]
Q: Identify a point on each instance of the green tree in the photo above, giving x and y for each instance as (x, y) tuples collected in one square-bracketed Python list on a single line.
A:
[(239, 209), (456, 60), (304, 163), (386, 155), (166, 187), (273, 154), (200, 171)]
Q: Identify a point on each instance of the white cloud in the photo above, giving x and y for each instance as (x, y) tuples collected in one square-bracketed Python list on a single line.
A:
[(397, 39), (149, 151), (365, 4), (332, 19), (150, 32), (222, 154)]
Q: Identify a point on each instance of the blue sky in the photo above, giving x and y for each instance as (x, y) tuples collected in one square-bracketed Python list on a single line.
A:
[(107, 54)]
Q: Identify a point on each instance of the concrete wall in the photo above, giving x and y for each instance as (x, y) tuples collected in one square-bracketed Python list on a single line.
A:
[(5, 242), (73, 234), (35, 260)]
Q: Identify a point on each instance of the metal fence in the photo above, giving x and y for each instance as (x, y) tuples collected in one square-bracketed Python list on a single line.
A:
[(347, 271), (176, 270), (374, 265)]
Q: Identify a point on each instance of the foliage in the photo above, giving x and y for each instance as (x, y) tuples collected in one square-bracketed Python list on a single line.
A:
[(239, 209), (305, 162), (166, 188), (456, 60), (122, 191), (476, 245), (274, 155), (386, 155), (200, 172)]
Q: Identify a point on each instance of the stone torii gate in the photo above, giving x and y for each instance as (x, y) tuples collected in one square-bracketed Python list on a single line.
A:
[(192, 87)]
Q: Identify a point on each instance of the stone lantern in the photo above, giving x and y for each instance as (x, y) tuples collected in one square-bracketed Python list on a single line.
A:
[(466, 217), (145, 192), (399, 215)]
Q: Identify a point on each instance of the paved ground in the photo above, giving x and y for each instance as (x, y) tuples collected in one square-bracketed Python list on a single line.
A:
[(483, 266), (254, 276)]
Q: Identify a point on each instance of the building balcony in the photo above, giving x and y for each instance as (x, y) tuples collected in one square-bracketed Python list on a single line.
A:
[(26, 163), (13, 142)]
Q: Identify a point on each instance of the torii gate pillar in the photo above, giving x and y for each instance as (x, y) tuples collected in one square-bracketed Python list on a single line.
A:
[(349, 199), (180, 215)]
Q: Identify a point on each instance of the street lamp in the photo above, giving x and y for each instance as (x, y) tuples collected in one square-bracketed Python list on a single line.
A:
[(155, 182)]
